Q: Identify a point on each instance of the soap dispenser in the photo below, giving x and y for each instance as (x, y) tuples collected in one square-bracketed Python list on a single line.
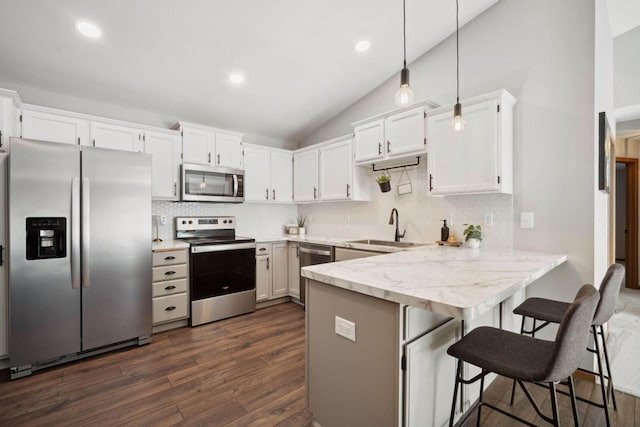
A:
[(444, 232)]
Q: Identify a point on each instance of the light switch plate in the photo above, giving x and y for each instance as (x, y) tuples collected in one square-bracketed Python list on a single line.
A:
[(346, 328), (488, 219), (526, 219)]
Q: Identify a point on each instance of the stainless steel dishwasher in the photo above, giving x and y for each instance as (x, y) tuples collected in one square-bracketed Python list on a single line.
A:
[(312, 254)]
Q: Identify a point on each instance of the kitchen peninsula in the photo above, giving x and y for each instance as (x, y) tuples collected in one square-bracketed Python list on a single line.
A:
[(378, 329)]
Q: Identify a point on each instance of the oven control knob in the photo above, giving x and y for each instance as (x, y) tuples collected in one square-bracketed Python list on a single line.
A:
[(190, 222), (225, 221), (184, 222), (230, 221)]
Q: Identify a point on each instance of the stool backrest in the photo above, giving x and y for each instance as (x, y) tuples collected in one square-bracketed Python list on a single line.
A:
[(609, 291), (573, 335)]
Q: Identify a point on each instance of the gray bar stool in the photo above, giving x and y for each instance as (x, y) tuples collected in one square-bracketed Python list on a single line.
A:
[(529, 359), (551, 311)]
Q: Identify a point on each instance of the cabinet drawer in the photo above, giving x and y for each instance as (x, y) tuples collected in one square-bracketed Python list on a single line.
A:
[(169, 287), (170, 272), (169, 258), (263, 249), (419, 321), (170, 307)]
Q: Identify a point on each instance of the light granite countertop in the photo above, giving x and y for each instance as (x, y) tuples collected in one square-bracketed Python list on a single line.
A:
[(457, 282), (168, 245), (342, 242)]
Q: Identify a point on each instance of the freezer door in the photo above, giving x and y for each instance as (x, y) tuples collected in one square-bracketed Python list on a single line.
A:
[(43, 303), (116, 246)]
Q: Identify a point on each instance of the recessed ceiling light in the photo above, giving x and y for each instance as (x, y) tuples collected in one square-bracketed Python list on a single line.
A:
[(88, 29), (362, 46), (236, 78)]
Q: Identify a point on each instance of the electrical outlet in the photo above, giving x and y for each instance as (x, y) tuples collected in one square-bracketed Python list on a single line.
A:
[(526, 219), (450, 219), (348, 219), (163, 219), (488, 219), (345, 328)]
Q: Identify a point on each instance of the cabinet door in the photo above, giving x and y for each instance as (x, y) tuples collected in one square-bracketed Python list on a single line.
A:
[(54, 128), (228, 151), (256, 175), (115, 137), (8, 121), (198, 146), (369, 141), (404, 133), (281, 176), (464, 162), (336, 171), (305, 176), (430, 376), (4, 302), (165, 164), (294, 270), (280, 283), (263, 278)]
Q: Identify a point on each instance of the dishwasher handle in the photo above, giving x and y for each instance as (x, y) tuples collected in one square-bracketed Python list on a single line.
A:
[(314, 251)]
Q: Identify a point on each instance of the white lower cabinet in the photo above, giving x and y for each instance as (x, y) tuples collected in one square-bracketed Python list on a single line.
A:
[(170, 286), (271, 271), (294, 269)]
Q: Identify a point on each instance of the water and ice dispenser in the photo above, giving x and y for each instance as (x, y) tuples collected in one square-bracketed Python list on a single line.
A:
[(46, 238)]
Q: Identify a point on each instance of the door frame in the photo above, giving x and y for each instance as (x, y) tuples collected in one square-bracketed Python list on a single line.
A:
[(631, 237)]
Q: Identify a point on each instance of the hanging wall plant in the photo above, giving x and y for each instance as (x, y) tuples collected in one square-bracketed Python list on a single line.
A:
[(384, 181)]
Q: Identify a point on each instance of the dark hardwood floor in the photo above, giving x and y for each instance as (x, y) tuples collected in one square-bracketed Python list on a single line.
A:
[(244, 371)]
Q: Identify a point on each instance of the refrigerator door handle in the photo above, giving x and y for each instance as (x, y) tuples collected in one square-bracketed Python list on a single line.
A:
[(75, 233), (86, 280)]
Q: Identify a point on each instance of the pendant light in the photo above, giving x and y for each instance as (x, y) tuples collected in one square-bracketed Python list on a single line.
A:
[(404, 95), (457, 123)]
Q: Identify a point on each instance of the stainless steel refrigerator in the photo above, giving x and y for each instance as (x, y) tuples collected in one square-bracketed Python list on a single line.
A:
[(80, 252)]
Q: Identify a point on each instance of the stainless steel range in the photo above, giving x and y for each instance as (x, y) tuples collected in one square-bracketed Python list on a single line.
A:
[(222, 266)]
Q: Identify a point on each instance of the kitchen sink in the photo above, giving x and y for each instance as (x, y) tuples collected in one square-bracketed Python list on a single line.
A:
[(385, 243)]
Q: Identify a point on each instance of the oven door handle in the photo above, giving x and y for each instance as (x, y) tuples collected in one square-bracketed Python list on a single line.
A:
[(221, 248)]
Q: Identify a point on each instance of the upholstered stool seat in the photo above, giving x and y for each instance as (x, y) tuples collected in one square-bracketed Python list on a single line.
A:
[(552, 310)]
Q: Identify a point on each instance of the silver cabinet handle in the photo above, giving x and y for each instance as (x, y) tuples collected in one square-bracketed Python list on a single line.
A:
[(388, 146), (170, 287), (348, 190), (297, 251), (169, 273), (209, 158), (379, 147), (218, 156), (315, 193), (175, 188), (224, 288), (86, 243), (266, 194), (75, 233), (169, 258), (1, 139), (262, 249), (267, 263), (170, 308), (430, 182), (273, 194)]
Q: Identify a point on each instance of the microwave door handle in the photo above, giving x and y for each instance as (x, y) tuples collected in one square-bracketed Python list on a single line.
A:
[(85, 233), (75, 233), (235, 185)]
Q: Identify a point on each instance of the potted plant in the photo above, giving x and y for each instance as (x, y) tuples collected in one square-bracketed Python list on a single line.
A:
[(301, 222), (384, 181), (473, 235)]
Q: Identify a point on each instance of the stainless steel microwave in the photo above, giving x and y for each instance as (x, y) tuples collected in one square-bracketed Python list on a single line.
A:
[(207, 184)]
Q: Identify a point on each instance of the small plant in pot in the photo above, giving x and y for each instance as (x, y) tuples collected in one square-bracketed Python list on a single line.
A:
[(301, 221), (473, 235), (384, 181)]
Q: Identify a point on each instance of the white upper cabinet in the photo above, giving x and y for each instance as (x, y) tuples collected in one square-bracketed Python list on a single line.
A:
[(9, 101), (305, 175), (477, 159), (268, 174), (404, 133), (339, 179), (117, 137), (164, 148), (394, 137), (47, 125), (369, 141), (210, 146)]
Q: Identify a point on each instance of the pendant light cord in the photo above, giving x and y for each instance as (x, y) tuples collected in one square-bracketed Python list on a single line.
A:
[(404, 31), (457, 58)]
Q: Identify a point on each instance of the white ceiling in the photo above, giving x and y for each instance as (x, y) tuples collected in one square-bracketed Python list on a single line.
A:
[(624, 15), (173, 57)]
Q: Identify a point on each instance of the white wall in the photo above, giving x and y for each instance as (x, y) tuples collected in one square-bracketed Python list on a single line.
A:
[(627, 68), (543, 53), (46, 98)]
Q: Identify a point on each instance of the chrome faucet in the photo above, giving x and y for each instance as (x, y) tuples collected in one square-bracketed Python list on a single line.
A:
[(398, 236)]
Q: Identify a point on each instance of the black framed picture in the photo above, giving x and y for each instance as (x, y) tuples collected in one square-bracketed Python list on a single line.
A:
[(605, 142)]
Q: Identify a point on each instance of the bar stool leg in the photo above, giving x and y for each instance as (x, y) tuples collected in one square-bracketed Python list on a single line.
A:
[(554, 403), (455, 392), (480, 399), (602, 386), (513, 386), (574, 408), (606, 359)]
